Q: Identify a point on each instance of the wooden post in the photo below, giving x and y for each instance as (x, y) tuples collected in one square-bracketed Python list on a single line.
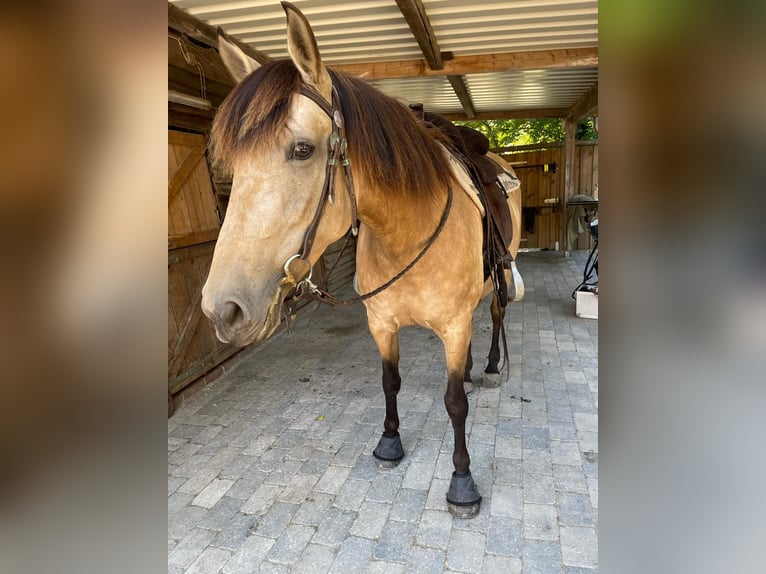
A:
[(570, 126)]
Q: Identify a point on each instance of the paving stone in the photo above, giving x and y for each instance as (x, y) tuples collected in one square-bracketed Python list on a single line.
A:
[(352, 494), (298, 490), (541, 557), (579, 546), (575, 509), (504, 536), (221, 513), (212, 493), (274, 522), (235, 531), (210, 561), (189, 549), (384, 487), (507, 471), (434, 529), (353, 556), (425, 561), (501, 565), (418, 475), (316, 559), (569, 479), (537, 461), (540, 522), (290, 545), (262, 499), (506, 501), (565, 452), (466, 551), (313, 511), (383, 567), (334, 529), (370, 520), (249, 555), (198, 481), (408, 505), (395, 541), (538, 488), (333, 479)]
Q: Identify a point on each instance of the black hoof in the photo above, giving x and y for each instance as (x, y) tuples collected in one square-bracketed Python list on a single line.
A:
[(389, 450), (463, 498)]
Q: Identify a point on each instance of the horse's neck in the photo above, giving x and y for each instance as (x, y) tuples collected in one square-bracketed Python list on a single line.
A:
[(397, 224)]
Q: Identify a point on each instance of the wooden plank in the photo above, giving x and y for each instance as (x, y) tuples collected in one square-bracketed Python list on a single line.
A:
[(193, 238), (417, 19), (178, 215), (476, 64), (193, 315), (184, 170), (200, 250), (205, 364), (176, 137)]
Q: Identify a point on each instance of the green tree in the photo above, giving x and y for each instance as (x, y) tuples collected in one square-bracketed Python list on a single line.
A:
[(504, 133)]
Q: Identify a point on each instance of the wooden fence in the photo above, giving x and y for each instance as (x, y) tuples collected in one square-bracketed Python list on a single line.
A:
[(543, 222)]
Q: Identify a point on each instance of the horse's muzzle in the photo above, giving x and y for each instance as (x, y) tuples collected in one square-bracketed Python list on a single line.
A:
[(234, 323)]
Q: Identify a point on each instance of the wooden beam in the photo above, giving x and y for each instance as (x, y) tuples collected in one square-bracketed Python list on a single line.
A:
[(415, 14), (182, 21), (585, 104), (510, 114), (461, 90), (476, 64)]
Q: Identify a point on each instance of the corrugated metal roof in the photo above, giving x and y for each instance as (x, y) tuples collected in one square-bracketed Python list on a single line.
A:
[(370, 31)]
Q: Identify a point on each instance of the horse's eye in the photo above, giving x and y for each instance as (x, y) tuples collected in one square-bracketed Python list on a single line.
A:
[(302, 150)]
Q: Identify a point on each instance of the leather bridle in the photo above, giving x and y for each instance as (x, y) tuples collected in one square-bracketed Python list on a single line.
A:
[(337, 155), (337, 149)]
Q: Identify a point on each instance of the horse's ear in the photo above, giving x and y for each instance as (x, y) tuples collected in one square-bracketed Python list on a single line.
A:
[(236, 61), (304, 52)]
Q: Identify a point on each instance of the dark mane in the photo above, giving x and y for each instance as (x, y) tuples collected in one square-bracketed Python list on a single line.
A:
[(395, 151), (254, 111), (387, 146)]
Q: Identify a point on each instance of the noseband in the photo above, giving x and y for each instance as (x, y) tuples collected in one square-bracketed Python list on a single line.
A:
[(337, 148)]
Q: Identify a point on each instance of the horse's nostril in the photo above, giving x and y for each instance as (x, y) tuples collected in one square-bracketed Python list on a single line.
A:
[(232, 314)]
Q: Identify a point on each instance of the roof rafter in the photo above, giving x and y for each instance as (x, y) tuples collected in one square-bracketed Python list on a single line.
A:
[(415, 14), (585, 104), (417, 19), (482, 63), (510, 114)]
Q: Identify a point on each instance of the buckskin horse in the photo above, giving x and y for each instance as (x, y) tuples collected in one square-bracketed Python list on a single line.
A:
[(283, 133)]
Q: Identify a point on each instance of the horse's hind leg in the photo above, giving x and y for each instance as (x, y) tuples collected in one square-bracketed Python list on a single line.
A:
[(463, 499), (389, 450), (492, 373)]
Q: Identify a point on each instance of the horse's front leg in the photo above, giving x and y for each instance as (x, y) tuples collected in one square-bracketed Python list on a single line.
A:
[(389, 450), (491, 373), (463, 498)]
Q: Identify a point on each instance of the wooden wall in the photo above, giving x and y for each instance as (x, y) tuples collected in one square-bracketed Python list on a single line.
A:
[(547, 220), (193, 225)]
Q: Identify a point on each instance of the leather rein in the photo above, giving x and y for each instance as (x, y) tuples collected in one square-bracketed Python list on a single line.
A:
[(337, 155)]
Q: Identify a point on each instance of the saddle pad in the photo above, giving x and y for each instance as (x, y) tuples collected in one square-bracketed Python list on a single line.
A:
[(466, 184)]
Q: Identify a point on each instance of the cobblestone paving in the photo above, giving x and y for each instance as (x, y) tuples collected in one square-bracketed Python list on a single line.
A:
[(270, 467)]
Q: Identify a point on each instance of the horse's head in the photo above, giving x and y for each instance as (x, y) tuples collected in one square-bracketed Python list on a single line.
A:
[(275, 142)]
